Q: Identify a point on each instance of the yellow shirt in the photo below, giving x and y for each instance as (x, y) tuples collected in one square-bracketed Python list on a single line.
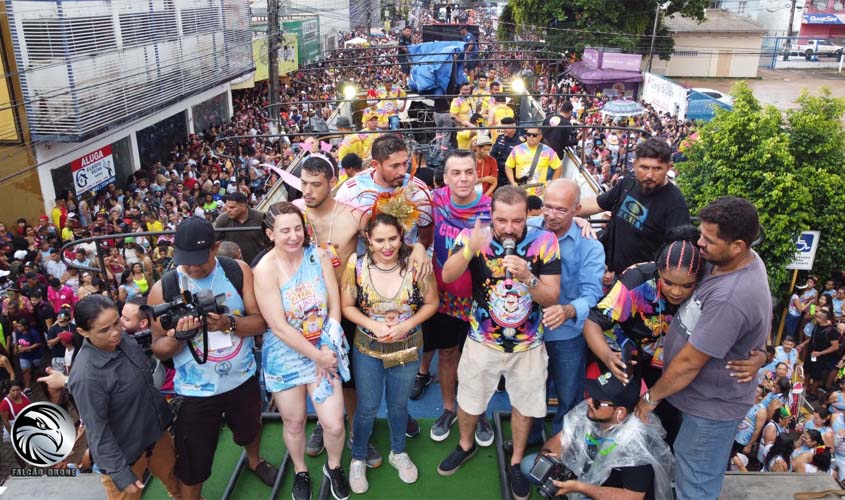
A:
[(155, 226), (368, 145), (388, 101), (500, 111), (482, 101), (379, 113), (461, 108), (521, 159), (352, 143)]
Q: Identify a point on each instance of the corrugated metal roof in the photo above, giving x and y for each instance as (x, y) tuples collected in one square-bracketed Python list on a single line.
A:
[(716, 21)]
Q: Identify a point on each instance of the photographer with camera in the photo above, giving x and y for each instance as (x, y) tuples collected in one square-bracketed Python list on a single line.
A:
[(212, 352), (603, 452)]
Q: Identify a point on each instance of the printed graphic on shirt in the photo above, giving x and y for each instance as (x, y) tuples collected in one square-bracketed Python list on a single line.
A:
[(633, 212), (688, 316)]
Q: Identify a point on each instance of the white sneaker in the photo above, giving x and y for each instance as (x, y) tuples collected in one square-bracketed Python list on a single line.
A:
[(407, 470), (358, 477)]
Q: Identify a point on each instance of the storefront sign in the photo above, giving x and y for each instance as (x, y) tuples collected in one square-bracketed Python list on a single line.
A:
[(824, 18), (93, 171), (621, 62)]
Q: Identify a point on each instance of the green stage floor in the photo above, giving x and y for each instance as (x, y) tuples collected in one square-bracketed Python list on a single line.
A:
[(477, 479)]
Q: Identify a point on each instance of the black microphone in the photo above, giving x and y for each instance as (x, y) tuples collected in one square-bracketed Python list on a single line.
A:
[(509, 245)]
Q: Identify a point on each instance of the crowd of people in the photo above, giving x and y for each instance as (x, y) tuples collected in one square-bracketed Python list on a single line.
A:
[(652, 338)]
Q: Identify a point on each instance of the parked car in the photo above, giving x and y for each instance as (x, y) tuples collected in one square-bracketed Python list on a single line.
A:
[(820, 48), (715, 94)]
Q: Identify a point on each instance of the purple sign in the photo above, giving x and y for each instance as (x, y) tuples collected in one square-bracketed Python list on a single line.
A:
[(592, 57), (622, 62)]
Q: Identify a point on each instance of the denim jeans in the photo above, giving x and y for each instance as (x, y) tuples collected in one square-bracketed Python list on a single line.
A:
[(566, 370), (372, 378), (702, 449)]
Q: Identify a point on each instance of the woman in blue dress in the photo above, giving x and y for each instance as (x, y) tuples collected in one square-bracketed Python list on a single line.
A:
[(298, 296)]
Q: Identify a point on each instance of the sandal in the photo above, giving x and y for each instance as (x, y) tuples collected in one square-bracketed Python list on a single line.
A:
[(266, 472)]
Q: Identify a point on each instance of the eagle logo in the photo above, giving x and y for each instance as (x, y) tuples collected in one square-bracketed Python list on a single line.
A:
[(43, 434)]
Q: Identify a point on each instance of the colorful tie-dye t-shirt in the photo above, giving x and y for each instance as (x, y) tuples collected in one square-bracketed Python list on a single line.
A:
[(634, 308), (449, 220), (506, 318), (521, 159)]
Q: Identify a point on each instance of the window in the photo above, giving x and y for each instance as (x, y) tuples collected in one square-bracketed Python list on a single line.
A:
[(197, 21), (45, 40), (143, 28), (686, 53)]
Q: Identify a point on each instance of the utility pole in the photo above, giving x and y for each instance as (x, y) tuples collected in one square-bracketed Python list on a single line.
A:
[(273, 58), (788, 44), (654, 35)]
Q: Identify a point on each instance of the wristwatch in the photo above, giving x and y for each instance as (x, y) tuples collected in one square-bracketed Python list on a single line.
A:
[(647, 399), (232, 325), (533, 282)]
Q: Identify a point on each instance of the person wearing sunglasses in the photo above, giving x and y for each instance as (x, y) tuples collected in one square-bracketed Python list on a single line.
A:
[(612, 453), (530, 162)]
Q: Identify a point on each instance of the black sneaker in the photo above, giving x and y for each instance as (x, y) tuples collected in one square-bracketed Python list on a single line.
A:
[(413, 427), (338, 484), (455, 460), (301, 486), (420, 383), (315, 443), (520, 488)]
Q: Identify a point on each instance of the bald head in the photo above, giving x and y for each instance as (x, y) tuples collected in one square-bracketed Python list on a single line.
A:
[(565, 187)]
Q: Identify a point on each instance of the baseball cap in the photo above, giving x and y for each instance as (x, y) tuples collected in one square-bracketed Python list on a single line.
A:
[(20, 255), (64, 312), (508, 121), (3, 273), (608, 388), (193, 242)]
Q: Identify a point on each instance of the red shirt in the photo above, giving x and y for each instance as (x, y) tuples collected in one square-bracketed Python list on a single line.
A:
[(486, 168), (16, 408)]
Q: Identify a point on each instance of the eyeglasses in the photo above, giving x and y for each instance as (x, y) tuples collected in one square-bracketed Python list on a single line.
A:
[(557, 211), (532, 135)]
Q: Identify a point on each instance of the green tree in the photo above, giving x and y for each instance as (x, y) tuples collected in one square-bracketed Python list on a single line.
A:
[(575, 24), (817, 142), (745, 152)]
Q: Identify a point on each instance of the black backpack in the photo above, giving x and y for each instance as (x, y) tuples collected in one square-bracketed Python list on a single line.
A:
[(170, 280)]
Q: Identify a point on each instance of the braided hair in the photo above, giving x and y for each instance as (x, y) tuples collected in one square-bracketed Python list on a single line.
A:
[(681, 252)]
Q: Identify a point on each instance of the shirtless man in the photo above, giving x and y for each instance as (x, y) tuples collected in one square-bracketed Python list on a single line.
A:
[(335, 227)]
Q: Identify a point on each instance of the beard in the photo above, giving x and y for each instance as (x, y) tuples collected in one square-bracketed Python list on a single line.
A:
[(592, 418)]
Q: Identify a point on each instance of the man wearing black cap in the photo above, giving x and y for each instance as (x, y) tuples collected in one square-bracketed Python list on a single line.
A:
[(238, 214), (611, 452), (505, 142), (225, 387)]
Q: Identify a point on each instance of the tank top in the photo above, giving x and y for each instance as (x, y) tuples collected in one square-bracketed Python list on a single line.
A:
[(746, 426), (390, 310), (305, 299), (763, 449), (226, 368)]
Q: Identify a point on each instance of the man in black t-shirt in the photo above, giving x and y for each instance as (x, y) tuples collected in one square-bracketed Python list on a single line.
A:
[(643, 209), (62, 324), (557, 132), (405, 40), (611, 452)]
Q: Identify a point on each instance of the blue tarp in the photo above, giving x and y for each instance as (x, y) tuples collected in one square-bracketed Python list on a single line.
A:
[(432, 66)]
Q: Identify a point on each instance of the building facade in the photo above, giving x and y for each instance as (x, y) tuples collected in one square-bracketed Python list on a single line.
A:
[(109, 86)]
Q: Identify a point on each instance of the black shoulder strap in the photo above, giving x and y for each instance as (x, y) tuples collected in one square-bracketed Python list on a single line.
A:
[(233, 272), (170, 280)]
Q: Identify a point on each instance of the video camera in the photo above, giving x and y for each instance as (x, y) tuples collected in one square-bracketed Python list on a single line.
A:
[(198, 305), (547, 469)]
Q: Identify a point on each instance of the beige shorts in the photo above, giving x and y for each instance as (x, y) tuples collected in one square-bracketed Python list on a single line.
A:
[(524, 372)]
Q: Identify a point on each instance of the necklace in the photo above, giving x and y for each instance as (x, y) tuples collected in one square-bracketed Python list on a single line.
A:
[(388, 270)]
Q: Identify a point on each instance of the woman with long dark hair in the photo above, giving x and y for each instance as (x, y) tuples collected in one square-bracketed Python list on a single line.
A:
[(126, 417), (778, 457), (379, 294)]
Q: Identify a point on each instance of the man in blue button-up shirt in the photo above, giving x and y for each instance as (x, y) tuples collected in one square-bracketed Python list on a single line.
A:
[(582, 266)]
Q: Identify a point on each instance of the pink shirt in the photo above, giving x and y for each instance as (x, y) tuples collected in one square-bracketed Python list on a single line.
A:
[(64, 296)]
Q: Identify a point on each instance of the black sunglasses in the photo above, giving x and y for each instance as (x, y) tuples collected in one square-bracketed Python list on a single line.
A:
[(532, 135)]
